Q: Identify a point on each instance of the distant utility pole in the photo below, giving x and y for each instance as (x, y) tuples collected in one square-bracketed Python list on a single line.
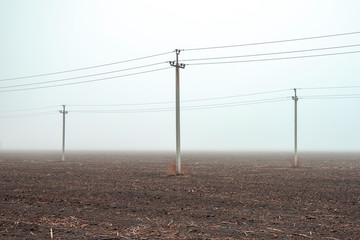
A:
[(63, 132), (295, 98), (178, 151)]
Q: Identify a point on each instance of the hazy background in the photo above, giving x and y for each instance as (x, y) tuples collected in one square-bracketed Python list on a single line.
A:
[(40, 37)]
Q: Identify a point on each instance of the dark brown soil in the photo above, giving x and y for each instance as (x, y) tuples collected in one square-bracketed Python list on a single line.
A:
[(221, 196)]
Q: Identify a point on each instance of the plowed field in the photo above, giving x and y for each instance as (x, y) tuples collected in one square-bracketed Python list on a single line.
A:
[(220, 196)]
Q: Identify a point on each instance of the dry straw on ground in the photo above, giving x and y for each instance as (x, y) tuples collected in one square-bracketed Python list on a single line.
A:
[(171, 170), (292, 162)]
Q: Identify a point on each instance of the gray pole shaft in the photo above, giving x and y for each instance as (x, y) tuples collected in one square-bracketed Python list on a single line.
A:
[(63, 135), (178, 150), (295, 130)]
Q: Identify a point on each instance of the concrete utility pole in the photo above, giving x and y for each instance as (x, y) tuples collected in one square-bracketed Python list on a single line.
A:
[(63, 132), (178, 151), (295, 98)]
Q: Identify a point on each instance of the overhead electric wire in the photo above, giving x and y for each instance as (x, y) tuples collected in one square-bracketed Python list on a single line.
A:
[(28, 109), (79, 77), (189, 49), (272, 53), (184, 108), (141, 104), (194, 107), (173, 102), (334, 87), (125, 111), (119, 104), (356, 95), (231, 104), (87, 81), (273, 59), (86, 68), (38, 114), (201, 99), (235, 96), (321, 98), (272, 42)]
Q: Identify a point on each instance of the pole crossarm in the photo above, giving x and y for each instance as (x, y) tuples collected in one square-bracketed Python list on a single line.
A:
[(176, 63), (173, 64), (295, 97)]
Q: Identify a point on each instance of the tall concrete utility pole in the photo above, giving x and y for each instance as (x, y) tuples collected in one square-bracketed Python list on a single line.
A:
[(177, 98), (63, 132), (295, 98)]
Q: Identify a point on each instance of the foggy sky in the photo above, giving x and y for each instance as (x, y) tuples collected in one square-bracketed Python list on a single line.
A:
[(40, 37)]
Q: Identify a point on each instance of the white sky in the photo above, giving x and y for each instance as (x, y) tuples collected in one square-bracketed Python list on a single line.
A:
[(49, 36)]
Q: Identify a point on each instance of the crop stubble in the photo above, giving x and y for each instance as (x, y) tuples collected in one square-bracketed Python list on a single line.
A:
[(221, 196)]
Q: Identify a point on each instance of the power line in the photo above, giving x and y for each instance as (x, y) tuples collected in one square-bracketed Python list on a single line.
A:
[(39, 114), (193, 100), (148, 103), (342, 96), (209, 99), (28, 109), (275, 59), (87, 81), (234, 104), (79, 77), (184, 100), (272, 53), (338, 87), (86, 68), (194, 107), (120, 104), (235, 96), (318, 98), (165, 53), (272, 42)]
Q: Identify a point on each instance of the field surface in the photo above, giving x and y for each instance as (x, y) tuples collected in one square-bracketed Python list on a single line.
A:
[(220, 196)]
